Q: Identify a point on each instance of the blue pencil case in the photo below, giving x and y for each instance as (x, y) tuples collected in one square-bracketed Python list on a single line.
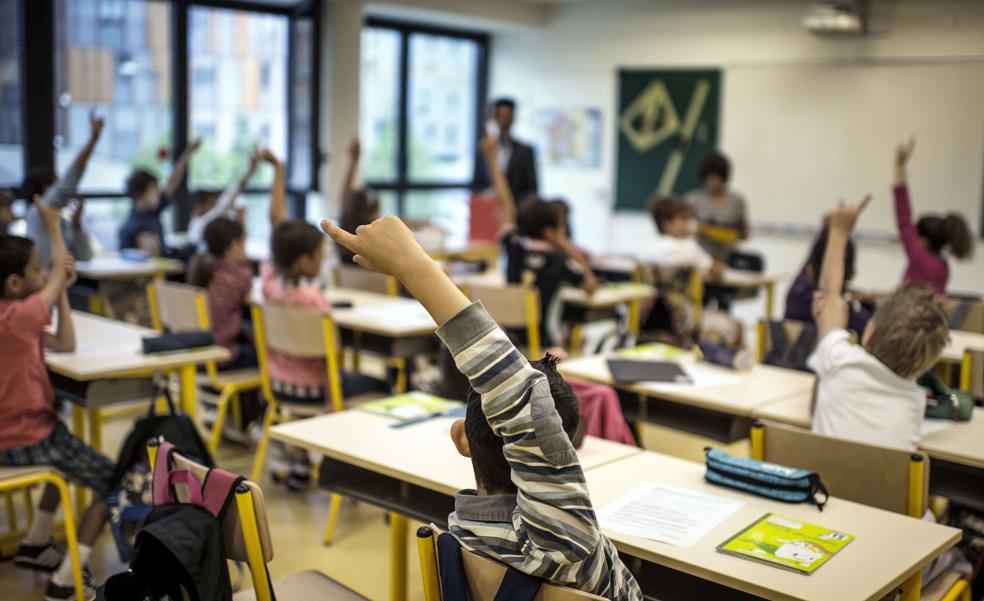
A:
[(788, 484)]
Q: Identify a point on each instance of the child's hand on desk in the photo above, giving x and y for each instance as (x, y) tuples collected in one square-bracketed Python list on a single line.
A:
[(386, 245)]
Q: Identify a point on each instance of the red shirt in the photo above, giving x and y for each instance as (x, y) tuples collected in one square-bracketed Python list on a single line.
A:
[(227, 293), (27, 409), (925, 267)]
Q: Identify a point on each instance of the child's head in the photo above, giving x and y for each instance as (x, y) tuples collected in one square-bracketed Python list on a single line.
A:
[(908, 331), (564, 210), (225, 239), (539, 219), (6, 210), (474, 437), (202, 201), (142, 187), (950, 231), (297, 249), (37, 181), (20, 269), (715, 169), (672, 215), (814, 263), (361, 207)]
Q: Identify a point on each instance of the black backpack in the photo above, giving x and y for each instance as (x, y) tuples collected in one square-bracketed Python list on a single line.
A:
[(791, 355)]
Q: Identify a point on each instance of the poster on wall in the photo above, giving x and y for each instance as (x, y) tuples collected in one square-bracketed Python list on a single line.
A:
[(668, 119), (569, 137)]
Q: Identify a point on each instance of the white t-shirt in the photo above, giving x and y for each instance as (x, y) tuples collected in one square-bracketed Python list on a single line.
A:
[(860, 399), (667, 251)]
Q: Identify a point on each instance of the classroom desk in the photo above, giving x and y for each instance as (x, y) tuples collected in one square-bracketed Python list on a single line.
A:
[(956, 451), (114, 268), (888, 547), (750, 280), (413, 471), (470, 251), (721, 411), (961, 350)]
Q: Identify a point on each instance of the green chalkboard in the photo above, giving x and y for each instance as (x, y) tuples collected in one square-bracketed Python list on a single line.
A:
[(667, 121)]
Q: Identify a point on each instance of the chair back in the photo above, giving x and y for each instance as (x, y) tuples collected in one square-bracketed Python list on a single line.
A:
[(512, 306), (483, 575), (890, 479), (965, 313), (358, 278), (177, 307), (245, 530)]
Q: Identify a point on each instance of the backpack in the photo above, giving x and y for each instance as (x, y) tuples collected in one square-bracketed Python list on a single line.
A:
[(790, 355), (515, 585), (944, 403)]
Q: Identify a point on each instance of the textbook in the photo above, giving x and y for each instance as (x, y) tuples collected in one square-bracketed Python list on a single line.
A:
[(411, 405), (654, 350), (786, 543)]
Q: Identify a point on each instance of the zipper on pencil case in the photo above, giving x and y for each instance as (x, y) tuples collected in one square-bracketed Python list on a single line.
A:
[(760, 483)]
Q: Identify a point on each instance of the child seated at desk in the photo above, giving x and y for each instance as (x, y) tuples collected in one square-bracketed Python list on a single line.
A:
[(519, 422), (143, 229), (30, 431), (868, 392), (536, 246)]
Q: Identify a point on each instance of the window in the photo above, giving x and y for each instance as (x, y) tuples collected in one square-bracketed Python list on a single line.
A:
[(113, 57), (422, 92), (238, 97), (11, 137)]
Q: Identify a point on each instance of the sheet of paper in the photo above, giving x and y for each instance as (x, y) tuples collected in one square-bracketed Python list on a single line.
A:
[(667, 514), (934, 425)]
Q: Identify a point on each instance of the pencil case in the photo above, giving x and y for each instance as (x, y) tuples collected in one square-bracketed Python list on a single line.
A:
[(176, 342), (778, 482)]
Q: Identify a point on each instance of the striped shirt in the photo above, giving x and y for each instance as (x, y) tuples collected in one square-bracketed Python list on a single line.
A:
[(548, 529)]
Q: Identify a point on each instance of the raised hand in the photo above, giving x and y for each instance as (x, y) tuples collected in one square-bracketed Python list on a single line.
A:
[(354, 149), (96, 124), (194, 146), (903, 152), (386, 245), (846, 216), (265, 154)]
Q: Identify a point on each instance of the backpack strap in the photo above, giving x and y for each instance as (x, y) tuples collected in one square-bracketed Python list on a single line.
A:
[(188, 479), (162, 467), (218, 490), (515, 585)]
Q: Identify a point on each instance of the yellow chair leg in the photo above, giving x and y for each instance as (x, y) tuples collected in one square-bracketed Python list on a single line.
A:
[(28, 506), (577, 339), (221, 405), (237, 412), (261, 448), (11, 512), (95, 428), (78, 428), (428, 564), (965, 366), (188, 405), (333, 510), (71, 540), (912, 588), (398, 557), (770, 299), (635, 310), (401, 376)]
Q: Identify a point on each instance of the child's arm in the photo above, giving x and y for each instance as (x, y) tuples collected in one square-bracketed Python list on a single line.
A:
[(63, 340), (233, 191), (278, 196), (180, 168), (507, 204), (908, 234), (589, 282), (80, 245), (354, 151), (62, 191), (830, 308), (62, 264)]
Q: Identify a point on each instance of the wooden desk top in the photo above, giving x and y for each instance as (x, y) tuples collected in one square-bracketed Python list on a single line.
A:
[(888, 547), (960, 342), (738, 393), (751, 279), (420, 454), (116, 268), (608, 295), (794, 411), (961, 443), (474, 250), (106, 348)]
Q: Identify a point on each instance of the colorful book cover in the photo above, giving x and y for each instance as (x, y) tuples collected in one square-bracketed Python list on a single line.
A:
[(786, 543), (410, 405), (655, 350)]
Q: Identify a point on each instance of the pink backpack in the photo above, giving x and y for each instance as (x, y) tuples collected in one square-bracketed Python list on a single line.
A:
[(214, 494)]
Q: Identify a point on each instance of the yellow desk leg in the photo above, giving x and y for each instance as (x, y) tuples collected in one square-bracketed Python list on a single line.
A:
[(770, 299), (912, 587), (634, 310), (78, 428), (398, 557), (965, 365), (95, 428), (188, 390), (577, 339)]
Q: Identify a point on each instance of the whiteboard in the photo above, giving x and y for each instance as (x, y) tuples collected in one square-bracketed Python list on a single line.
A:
[(801, 136)]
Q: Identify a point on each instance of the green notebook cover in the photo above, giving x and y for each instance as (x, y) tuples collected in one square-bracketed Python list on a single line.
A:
[(410, 405), (786, 543), (655, 350)]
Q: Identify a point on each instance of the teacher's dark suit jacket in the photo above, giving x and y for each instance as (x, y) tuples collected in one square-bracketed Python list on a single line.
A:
[(520, 173)]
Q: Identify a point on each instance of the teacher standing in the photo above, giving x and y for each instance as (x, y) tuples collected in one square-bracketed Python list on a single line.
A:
[(517, 160)]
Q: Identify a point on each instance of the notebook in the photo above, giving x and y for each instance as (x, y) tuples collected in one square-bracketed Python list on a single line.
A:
[(629, 371), (786, 543)]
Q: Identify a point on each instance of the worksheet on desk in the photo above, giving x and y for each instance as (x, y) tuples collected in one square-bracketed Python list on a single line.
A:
[(668, 514)]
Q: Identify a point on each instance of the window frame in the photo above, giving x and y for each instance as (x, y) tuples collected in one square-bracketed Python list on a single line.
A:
[(37, 72), (403, 183)]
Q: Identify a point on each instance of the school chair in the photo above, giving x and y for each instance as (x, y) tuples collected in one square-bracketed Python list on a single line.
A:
[(357, 278), (246, 537), (14, 479), (179, 308), (513, 307), (792, 328), (482, 574), (889, 479), (303, 333), (967, 314)]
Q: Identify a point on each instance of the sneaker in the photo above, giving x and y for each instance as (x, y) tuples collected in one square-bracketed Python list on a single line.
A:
[(45, 557), (55, 592)]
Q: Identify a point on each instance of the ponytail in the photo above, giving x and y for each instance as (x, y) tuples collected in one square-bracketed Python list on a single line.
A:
[(958, 235), (200, 270)]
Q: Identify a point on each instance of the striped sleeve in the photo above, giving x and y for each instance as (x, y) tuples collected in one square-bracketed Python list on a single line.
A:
[(552, 499)]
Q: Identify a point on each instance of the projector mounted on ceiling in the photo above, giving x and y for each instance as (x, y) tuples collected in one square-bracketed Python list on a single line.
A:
[(837, 17)]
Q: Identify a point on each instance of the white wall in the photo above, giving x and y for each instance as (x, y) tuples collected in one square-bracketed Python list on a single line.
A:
[(572, 60)]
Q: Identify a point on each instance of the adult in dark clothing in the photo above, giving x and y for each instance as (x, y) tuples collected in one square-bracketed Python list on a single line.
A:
[(517, 160)]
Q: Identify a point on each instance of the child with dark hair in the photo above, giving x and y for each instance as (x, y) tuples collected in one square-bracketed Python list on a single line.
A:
[(538, 251), (926, 240), (799, 300), (57, 193), (720, 212), (208, 205), (360, 206), (531, 510), (143, 229), (30, 431)]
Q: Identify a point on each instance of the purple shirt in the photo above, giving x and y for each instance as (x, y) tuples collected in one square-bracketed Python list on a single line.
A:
[(925, 267)]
